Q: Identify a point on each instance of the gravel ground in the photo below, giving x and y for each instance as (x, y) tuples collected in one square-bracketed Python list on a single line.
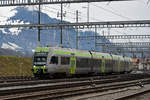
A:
[(141, 97)]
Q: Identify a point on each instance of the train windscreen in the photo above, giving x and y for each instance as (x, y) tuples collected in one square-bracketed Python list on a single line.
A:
[(40, 58)]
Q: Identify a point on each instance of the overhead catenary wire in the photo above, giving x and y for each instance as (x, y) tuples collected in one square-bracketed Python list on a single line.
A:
[(73, 13), (148, 2), (122, 16), (117, 15)]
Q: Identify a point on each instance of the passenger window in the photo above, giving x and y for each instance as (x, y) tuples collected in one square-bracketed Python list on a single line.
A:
[(65, 60), (83, 62), (54, 60)]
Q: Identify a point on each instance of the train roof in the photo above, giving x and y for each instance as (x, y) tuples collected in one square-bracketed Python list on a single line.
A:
[(85, 53), (81, 53), (42, 49)]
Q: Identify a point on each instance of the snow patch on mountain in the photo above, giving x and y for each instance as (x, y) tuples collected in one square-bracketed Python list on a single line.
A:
[(10, 45), (14, 31), (26, 39), (6, 13)]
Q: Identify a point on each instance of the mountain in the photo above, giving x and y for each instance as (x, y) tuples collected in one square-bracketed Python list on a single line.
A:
[(25, 40), (8, 52)]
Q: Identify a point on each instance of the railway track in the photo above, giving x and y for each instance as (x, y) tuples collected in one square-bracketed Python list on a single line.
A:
[(87, 90), (31, 78), (16, 78), (134, 94), (66, 88), (33, 81), (15, 81)]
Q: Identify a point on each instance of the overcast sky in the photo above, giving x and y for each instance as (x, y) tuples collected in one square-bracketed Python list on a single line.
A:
[(99, 11), (106, 11)]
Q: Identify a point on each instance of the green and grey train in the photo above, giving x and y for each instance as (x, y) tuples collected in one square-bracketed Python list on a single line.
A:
[(53, 61)]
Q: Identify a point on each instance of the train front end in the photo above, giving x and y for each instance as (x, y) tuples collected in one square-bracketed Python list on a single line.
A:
[(39, 61)]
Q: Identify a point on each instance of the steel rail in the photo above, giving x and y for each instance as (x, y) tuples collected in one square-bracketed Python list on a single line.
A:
[(7, 92), (94, 87), (35, 81), (126, 97)]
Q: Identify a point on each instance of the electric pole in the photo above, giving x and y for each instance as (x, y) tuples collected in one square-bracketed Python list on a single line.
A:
[(77, 29), (88, 8), (61, 28), (39, 22), (103, 43), (61, 14), (95, 37)]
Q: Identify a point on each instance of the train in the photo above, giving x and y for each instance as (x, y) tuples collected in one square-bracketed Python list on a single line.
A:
[(58, 61)]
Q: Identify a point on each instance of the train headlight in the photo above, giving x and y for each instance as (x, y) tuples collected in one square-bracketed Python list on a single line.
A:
[(45, 68), (34, 66)]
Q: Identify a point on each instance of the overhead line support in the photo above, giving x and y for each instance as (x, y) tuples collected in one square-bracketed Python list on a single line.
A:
[(110, 24), (39, 22), (61, 28), (35, 2)]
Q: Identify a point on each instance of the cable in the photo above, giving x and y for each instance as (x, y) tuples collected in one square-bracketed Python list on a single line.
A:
[(117, 15), (66, 12), (148, 2), (112, 12), (59, 9), (74, 13), (54, 12)]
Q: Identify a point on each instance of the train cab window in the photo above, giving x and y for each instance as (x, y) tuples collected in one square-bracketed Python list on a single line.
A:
[(54, 60), (65, 60), (40, 59)]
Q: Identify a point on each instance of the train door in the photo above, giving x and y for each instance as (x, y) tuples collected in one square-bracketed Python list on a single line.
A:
[(73, 65), (103, 65), (119, 65), (123, 65)]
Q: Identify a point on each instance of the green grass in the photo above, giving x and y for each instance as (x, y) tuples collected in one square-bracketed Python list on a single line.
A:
[(15, 66)]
